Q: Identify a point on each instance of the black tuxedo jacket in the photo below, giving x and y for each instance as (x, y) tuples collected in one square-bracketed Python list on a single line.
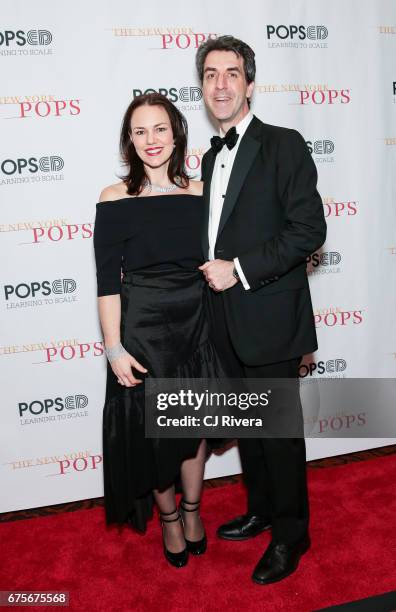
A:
[(272, 219)]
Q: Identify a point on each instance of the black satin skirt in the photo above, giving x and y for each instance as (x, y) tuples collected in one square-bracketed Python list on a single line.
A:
[(164, 326)]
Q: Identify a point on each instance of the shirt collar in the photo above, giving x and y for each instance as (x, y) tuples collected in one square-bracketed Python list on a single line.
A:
[(242, 126)]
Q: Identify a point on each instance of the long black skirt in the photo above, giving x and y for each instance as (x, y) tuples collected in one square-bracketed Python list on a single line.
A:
[(164, 326)]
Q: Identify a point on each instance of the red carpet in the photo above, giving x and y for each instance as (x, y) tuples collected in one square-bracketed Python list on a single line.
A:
[(353, 529)]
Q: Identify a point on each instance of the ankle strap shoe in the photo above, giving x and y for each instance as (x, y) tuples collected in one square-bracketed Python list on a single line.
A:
[(200, 546), (179, 559)]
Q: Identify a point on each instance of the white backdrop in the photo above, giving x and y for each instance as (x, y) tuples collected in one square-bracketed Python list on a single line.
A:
[(67, 75)]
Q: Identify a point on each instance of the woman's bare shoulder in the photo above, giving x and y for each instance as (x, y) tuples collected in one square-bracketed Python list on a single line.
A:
[(195, 187), (113, 192)]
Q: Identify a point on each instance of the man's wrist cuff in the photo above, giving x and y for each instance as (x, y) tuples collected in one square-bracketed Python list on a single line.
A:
[(241, 274)]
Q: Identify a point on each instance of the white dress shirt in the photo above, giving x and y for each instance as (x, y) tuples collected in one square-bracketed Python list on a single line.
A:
[(218, 188)]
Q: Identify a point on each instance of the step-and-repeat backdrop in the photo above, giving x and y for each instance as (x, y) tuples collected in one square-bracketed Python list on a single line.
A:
[(67, 75)]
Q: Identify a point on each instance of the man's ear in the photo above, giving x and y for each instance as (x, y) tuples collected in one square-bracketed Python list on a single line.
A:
[(250, 89)]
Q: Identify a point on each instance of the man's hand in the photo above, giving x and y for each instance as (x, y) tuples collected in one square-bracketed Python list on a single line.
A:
[(218, 274)]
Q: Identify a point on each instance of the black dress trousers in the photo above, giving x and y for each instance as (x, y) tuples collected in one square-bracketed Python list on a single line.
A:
[(274, 469)]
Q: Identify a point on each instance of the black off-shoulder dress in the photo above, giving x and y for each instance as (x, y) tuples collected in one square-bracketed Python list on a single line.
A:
[(155, 242)]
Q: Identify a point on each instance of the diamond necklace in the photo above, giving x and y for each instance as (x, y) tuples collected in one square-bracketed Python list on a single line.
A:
[(151, 186)]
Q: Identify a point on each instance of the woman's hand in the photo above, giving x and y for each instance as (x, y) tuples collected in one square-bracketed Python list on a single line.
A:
[(122, 368)]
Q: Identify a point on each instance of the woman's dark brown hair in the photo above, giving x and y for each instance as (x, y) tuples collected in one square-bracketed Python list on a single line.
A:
[(136, 176)]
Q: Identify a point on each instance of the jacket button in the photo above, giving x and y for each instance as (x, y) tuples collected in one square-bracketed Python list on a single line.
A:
[(276, 277), (262, 282)]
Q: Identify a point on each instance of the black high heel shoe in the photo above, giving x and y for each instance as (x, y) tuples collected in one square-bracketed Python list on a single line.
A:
[(176, 559), (199, 547)]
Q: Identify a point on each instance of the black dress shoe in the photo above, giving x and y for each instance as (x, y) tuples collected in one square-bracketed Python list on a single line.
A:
[(243, 527), (279, 561)]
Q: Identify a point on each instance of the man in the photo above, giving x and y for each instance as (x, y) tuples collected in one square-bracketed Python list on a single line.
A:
[(264, 216)]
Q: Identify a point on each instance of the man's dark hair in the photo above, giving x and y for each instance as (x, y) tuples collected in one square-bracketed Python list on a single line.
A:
[(227, 43)]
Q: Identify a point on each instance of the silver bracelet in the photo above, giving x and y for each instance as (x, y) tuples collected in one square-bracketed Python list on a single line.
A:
[(115, 351)]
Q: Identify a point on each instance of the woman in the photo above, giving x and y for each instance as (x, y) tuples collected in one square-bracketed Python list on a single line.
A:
[(147, 231)]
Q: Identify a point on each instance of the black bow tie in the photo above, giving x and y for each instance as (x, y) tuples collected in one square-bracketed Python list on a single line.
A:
[(230, 139)]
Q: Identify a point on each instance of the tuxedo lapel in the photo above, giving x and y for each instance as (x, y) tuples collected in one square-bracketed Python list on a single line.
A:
[(244, 158), (207, 178)]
